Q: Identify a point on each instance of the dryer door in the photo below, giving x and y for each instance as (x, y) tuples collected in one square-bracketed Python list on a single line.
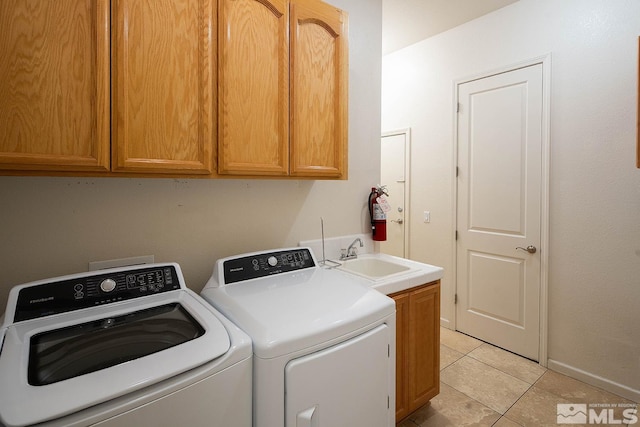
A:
[(342, 386)]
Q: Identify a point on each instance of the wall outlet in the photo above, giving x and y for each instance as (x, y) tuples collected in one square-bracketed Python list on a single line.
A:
[(427, 216), (121, 262)]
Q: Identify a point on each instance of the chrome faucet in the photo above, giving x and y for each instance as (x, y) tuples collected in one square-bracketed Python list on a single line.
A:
[(351, 251)]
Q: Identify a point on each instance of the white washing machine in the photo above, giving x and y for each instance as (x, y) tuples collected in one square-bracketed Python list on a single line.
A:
[(121, 347), (324, 344)]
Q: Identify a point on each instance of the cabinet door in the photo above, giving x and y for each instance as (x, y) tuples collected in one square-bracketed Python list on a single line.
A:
[(402, 355), (424, 339), (319, 73), (163, 74), (253, 87), (54, 85)]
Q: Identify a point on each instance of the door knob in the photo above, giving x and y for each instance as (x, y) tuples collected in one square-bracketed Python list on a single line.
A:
[(531, 249), (399, 221)]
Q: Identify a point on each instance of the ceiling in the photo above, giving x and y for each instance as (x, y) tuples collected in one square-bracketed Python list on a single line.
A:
[(405, 22)]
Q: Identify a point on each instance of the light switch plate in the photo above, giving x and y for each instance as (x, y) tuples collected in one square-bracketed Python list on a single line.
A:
[(427, 216)]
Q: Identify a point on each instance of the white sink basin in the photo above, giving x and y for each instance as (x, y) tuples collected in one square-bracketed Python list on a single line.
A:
[(389, 274), (374, 268)]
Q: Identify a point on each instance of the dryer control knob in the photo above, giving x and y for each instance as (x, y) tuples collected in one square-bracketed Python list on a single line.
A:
[(273, 261), (107, 285)]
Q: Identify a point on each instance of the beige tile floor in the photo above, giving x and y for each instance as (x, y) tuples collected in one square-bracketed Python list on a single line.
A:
[(482, 385)]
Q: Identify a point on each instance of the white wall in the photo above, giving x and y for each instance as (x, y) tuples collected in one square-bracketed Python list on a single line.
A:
[(594, 267), (55, 226)]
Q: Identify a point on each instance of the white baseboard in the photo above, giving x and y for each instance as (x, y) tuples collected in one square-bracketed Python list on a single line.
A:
[(445, 323), (595, 380)]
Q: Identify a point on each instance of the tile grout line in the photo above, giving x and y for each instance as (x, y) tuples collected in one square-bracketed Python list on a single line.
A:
[(460, 391), (442, 368), (514, 403), (467, 354), (507, 373), (499, 370), (494, 367), (530, 386)]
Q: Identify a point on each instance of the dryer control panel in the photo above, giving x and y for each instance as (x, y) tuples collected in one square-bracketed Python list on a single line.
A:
[(83, 290), (266, 264)]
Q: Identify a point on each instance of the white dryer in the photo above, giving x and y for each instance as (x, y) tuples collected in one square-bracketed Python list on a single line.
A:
[(324, 344), (121, 347)]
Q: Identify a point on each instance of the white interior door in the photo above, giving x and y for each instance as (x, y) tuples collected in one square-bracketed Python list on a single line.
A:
[(499, 209), (393, 174)]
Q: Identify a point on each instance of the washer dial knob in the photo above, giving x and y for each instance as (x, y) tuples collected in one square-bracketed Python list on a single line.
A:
[(107, 285), (273, 261)]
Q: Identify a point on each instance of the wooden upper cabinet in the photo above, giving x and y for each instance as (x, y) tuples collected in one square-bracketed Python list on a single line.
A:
[(136, 87), (54, 85), (319, 98), (163, 74), (253, 79), (282, 88)]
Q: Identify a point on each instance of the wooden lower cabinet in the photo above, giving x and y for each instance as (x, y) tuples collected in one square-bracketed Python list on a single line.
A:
[(417, 347)]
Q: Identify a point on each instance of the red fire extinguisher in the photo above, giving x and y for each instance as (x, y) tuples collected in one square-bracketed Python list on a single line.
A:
[(377, 214)]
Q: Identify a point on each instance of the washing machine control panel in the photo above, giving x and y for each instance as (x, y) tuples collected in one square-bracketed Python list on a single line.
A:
[(266, 264), (92, 290)]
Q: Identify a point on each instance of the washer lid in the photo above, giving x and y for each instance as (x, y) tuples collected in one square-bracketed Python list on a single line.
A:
[(58, 365), (296, 310)]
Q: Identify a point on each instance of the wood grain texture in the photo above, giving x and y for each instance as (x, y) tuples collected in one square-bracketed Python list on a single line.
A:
[(253, 73), (417, 347), (402, 355), (163, 74), (424, 335), (54, 85), (319, 97)]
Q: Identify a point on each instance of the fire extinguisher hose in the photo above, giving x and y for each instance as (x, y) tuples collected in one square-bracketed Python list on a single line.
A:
[(372, 195)]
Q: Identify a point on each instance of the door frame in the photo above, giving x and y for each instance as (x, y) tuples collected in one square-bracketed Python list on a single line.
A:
[(545, 60), (407, 182)]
